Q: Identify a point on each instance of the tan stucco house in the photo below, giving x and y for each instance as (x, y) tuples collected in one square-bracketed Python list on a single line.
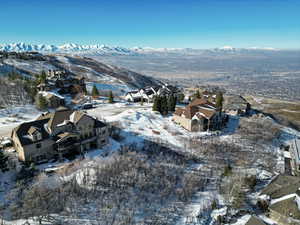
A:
[(58, 134), (199, 115)]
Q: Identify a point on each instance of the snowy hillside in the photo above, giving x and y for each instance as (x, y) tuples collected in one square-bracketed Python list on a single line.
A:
[(93, 71)]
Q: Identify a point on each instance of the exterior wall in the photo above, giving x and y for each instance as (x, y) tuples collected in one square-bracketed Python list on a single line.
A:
[(184, 122), (91, 138), (46, 151), (85, 126), (103, 136), (18, 147)]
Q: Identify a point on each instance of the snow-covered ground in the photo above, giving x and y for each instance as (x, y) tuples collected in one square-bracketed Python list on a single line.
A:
[(139, 122), (13, 116)]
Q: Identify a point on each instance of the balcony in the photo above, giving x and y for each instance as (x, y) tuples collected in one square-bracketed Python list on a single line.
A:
[(66, 146), (89, 139)]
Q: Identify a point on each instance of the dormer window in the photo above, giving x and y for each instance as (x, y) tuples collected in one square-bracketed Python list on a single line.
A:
[(35, 133)]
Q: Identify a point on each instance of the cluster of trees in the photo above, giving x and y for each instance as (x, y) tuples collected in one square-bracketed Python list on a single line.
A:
[(110, 190), (180, 97), (164, 104), (22, 55), (95, 93), (41, 102), (110, 97), (219, 100), (12, 90), (29, 85), (3, 161)]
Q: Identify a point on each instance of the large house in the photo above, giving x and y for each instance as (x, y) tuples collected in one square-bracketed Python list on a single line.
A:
[(147, 94), (199, 115), (283, 199), (63, 82), (57, 134)]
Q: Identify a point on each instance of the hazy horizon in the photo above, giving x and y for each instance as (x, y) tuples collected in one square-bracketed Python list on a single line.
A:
[(157, 24)]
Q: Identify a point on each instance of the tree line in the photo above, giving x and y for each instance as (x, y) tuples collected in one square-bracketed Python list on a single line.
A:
[(164, 104)]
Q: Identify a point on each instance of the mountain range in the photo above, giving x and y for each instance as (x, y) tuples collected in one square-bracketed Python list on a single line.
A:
[(98, 49)]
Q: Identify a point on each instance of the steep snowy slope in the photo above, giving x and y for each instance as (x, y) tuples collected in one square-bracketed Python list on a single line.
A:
[(92, 70)]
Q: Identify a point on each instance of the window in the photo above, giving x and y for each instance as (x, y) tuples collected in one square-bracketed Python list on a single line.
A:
[(38, 136), (38, 145)]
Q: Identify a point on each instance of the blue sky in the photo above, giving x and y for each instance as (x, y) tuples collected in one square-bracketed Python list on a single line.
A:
[(164, 23)]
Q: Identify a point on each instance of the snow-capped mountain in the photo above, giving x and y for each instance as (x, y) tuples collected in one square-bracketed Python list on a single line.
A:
[(110, 50), (67, 48)]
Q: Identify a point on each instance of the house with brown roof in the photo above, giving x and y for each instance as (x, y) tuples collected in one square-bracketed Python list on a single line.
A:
[(63, 82), (199, 115), (283, 199), (58, 134)]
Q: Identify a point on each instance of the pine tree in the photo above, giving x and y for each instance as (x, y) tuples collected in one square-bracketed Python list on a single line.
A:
[(219, 101), (41, 102), (164, 105), (155, 106), (172, 103), (3, 161), (43, 77), (198, 95), (95, 91), (181, 97), (110, 97)]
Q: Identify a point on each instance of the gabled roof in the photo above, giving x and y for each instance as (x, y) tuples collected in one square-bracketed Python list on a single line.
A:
[(202, 101), (132, 92), (33, 129), (64, 135), (76, 116), (199, 107), (287, 207), (205, 112), (59, 116), (282, 185), (255, 221), (22, 131)]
